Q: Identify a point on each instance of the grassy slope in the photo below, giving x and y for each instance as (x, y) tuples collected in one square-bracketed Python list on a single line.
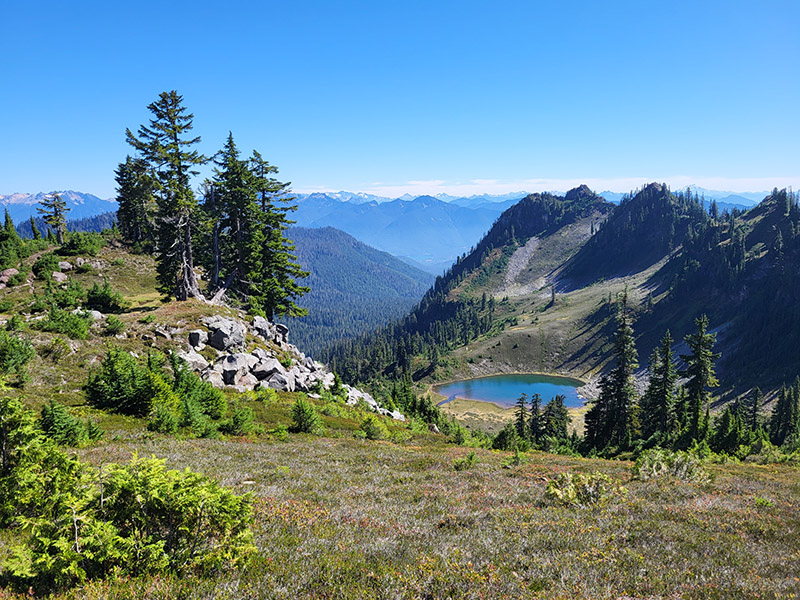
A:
[(337, 517)]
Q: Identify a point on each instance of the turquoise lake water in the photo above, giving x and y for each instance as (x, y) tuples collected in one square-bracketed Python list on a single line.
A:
[(505, 389)]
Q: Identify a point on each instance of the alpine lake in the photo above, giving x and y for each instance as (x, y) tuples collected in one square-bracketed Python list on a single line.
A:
[(504, 390)]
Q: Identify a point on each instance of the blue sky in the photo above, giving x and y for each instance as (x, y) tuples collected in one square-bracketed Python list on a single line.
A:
[(420, 97)]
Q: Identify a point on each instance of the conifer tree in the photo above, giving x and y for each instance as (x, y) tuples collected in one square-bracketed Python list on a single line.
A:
[(556, 419), (273, 273), (137, 208), (54, 211), (167, 152), (37, 235), (610, 421), (700, 371), (521, 416), (658, 413), (535, 419)]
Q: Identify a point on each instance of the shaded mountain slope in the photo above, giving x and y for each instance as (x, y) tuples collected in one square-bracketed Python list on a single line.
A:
[(354, 287)]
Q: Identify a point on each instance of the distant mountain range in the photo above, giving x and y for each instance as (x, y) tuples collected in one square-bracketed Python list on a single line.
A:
[(81, 205), (428, 231)]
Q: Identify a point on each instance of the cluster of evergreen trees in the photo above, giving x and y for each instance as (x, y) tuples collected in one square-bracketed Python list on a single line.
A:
[(237, 233), (677, 416)]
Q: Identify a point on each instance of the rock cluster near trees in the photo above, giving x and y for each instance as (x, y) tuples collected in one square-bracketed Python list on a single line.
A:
[(275, 363)]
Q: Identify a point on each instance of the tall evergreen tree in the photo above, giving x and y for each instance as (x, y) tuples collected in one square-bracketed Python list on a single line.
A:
[(610, 421), (54, 211), (700, 371), (535, 420), (37, 235), (137, 207), (658, 414), (556, 419), (521, 416), (168, 154), (273, 273)]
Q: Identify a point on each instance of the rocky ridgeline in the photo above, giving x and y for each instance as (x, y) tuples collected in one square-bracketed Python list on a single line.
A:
[(277, 364)]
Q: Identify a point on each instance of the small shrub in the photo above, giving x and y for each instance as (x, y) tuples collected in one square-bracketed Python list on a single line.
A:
[(15, 323), (374, 429), (334, 409), (75, 326), (114, 325), (305, 418), (763, 502), (84, 268), (104, 298), (518, 459), (266, 395), (579, 489), (6, 305), (71, 296), (280, 433), (93, 431), (45, 265), (118, 262), (14, 354), (80, 242), (147, 319), (465, 462), (163, 420), (658, 462), (240, 422), (60, 426), (17, 279), (285, 359)]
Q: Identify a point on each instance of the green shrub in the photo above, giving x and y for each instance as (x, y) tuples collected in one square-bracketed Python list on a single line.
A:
[(162, 420), (45, 265), (147, 319), (17, 279), (374, 429), (579, 489), (14, 354), (465, 462), (104, 298), (122, 384), (266, 395), (515, 461), (334, 409), (188, 385), (15, 323), (80, 242), (84, 268), (240, 422), (59, 320), (658, 462), (114, 325), (60, 426), (305, 418), (6, 305)]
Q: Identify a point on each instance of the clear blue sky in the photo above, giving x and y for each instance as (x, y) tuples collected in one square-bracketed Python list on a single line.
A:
[(392, 96)]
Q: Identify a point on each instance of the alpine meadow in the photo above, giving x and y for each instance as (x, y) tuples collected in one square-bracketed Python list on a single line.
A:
[(525, 323)]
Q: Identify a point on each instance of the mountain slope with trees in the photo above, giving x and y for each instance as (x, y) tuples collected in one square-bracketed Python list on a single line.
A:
[(354, 287)]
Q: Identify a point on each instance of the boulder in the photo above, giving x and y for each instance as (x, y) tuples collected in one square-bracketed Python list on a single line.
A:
[(64, 265), (226, 334), (282, 382), (246, 380), (266, 367), (59, 277), (263, 328), (215, 379), (196, 362), (234, 365), (281, 333), (198, 338)]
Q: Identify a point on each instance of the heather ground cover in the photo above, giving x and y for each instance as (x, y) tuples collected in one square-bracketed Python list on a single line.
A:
[(337, 517)]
